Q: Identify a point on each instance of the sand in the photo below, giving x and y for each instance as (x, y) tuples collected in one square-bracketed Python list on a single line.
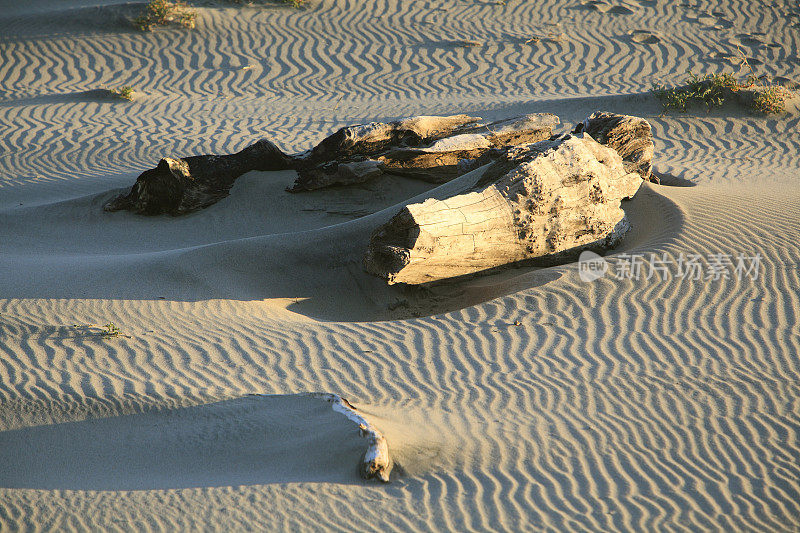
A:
[(523, 400)]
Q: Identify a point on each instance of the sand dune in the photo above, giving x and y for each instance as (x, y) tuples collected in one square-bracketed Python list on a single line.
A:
[(247, 441), (522, 400)]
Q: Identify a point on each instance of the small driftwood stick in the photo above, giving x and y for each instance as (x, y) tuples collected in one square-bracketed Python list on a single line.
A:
[(375, 462)]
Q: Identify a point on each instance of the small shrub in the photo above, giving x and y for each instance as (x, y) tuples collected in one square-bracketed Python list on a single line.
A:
[(771, 99), (111, 330), (712, 90), (123, 93), (709, 90), (162, 13)]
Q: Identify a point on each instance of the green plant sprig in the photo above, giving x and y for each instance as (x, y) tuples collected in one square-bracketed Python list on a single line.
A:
[(713, 90), (163, 12)]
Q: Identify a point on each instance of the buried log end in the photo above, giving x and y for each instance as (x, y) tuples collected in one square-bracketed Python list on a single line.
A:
[(156, 191)]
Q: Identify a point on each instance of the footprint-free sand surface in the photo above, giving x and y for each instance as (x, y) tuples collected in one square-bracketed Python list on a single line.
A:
[(525, 400)]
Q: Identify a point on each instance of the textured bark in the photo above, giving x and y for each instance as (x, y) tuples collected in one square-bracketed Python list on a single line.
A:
[(552, 197), (630, 136), (375, 462), (433, 149), (375, 137), (177, 186)]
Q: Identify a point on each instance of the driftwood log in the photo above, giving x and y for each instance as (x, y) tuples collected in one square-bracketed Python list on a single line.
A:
[(434, 149), (630, 136), (375, 462), (551, 198), (178, 186)]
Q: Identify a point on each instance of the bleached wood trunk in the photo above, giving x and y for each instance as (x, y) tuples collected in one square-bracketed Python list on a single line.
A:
[(375, 462), (542, 199)]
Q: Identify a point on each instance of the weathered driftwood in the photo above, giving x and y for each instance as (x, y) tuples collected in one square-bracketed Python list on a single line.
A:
[(555, 196), (375, 462), (177, 186), (630, 136), (434, 149)]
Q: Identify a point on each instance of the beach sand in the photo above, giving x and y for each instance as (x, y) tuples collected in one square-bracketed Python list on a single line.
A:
[(527, 399)]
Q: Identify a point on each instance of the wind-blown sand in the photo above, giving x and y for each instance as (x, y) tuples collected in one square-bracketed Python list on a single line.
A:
[(523, 400)]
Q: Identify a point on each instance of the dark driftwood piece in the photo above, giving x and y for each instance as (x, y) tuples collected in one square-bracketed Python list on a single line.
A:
[(546, 199), (178, 186), (433, 149)]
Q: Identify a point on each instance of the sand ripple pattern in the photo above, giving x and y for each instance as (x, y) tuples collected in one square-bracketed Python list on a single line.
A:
[(248, 72), (618, 405)]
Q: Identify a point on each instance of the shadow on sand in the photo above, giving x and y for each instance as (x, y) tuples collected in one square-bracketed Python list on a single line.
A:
[(245, 441)]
